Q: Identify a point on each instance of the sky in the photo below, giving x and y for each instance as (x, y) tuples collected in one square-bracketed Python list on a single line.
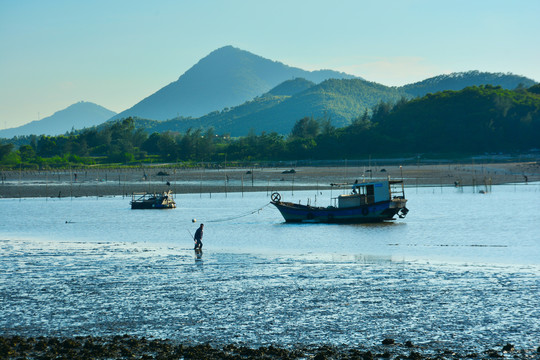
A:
[(115, 53)]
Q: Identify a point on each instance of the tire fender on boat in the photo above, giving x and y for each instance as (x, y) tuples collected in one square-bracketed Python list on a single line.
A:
[(275, 197), (365, 211)]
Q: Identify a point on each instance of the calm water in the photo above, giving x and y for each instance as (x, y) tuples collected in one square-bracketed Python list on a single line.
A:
[(462, 270)]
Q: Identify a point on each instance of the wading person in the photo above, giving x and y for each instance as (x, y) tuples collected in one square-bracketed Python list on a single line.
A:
[(198, 237)]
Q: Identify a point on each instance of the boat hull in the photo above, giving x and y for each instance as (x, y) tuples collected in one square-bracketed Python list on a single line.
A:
[(152, 205), (376, 212)]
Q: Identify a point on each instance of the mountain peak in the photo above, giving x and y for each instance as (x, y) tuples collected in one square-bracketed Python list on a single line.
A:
[(226, 49), (226, 77)]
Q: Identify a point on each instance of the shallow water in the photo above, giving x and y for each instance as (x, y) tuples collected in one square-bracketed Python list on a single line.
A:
[(461, 271)]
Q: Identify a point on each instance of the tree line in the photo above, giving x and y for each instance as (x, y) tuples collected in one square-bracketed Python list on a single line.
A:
[(470, 121)]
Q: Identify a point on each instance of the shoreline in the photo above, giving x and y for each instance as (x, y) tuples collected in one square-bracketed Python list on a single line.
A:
[(127, 347), (124, 182)]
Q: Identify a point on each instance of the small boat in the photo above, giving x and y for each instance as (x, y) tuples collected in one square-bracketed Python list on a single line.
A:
[(153, 201), (368, 202)]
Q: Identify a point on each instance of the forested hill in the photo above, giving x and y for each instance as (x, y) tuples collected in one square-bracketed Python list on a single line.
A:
[(472, 120), (461, 80), (337, 100)]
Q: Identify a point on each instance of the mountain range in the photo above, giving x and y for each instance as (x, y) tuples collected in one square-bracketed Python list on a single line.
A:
[(338, 100), (235, 92)]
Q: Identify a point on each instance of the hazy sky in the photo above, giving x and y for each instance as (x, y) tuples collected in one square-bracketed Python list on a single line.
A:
[(115, 53)]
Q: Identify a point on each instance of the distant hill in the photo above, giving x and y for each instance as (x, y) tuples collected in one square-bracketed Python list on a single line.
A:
[(338, 100), (226, 77), (461, 80), (77, 116)]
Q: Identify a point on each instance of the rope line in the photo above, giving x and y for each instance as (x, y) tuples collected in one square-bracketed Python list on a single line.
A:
[(239, 216)]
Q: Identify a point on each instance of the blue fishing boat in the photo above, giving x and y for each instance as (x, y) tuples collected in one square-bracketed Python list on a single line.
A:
[(367, 202)]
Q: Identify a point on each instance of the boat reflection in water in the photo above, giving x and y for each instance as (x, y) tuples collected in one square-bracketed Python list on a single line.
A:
[(153, 201), (368, 202)]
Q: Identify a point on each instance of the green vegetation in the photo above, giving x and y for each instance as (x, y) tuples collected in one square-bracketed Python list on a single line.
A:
[(473, 120)]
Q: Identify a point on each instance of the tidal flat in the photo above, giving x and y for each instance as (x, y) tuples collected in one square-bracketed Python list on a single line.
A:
[(95, 182), (451, 280)]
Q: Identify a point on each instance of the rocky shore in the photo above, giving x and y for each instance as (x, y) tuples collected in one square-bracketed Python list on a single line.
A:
[(125, 181), (128, 347)]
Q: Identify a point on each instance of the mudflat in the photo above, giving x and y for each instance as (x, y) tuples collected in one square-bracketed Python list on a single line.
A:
[(125, 181)]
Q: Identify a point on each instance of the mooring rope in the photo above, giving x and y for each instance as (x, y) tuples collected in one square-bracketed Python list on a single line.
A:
[(239, 216)]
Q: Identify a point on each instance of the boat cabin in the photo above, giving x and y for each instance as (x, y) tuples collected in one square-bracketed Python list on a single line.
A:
[(367, 193)]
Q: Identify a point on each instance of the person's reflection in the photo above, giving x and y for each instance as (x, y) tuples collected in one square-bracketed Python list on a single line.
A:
[(198, 256)]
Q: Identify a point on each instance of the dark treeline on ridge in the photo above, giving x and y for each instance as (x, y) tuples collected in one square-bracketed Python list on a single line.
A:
[(474, 120)]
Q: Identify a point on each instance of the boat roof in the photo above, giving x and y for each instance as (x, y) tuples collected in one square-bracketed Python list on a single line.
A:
[(363, 184)]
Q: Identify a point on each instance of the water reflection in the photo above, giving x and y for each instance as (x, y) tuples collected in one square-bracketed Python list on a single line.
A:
[(372, 259), (198, 256)]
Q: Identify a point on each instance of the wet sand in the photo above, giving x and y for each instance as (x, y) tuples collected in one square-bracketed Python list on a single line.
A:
[(125, 181)]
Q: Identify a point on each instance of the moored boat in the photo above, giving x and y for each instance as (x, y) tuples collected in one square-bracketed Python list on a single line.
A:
[(368, 202), (153, 201)]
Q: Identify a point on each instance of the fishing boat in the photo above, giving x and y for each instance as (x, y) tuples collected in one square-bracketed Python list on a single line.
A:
[(367, 202), (146, 200)]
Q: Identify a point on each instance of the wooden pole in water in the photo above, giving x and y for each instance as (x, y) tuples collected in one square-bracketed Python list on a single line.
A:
[(174, 180), (70, 183), (20, 174)]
